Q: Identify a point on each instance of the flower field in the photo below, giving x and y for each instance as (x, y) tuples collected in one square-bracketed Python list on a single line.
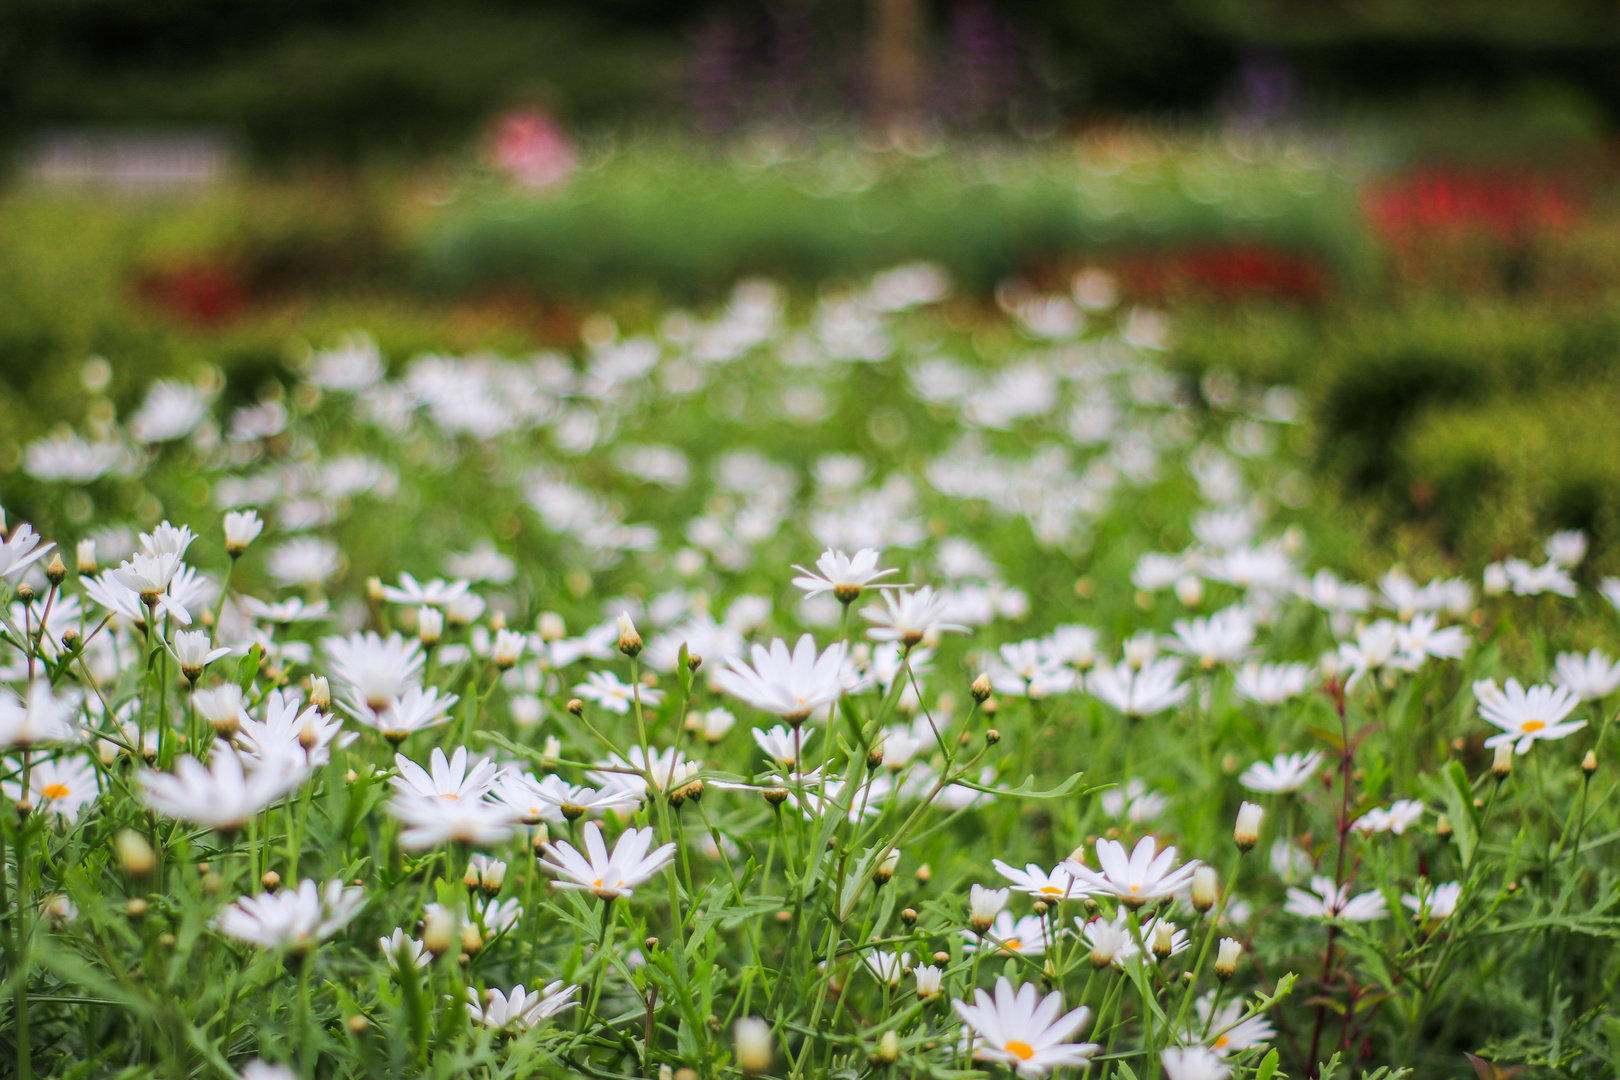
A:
[(791, 691)]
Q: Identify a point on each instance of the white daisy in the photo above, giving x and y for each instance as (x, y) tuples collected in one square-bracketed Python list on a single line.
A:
[(1012, 1029), (1285, 772), (604, 875), (844, 576), (1526, 716), (519, 1009), (1327, 901), (1145, 874)]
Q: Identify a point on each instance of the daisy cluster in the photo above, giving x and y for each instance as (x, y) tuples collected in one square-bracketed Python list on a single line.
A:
[(605, 714)]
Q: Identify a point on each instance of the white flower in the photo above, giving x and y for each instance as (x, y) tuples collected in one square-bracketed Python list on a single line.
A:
[(843, 576), (221, 706), (1433, 902), (1327, 901), (171, 411), (60, 786), (789, 685), (258, 1069), (1527, 580), (21, 550), (288, 737), (1155, 571), (451, 779), (1286, 772), (1142, 692), (1060, 883), (1011, 1029), (668, 769), (1232, 1034), (292, 918), (436, 593), (1145, 874), (1220, 638), (1396, 819), (1010, 934), (43, 718), (604, 875), (1027, 669), (306, 561), (192, 651), (291, 610), (508, 648), (520, 1009), (416, 710), (1424, 637), (148, 575), (782, 744), (223, 796), (1272, 684), (1526, 716), (1591, 677), (242, 527), (1332, 595), (400, 944), (909, 617), (604, 688), (1566, 548), (1111, 942), (928, 978), (375, 669), (887, 967), (1610, 588), (1193, 1063), (1134, 802), (433, 821), (1379, 646)]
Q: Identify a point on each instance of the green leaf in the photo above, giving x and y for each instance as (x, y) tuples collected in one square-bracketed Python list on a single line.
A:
[(1027, 789), (1332, 738), (1458, 795), (248, 668), (1268, 1067)]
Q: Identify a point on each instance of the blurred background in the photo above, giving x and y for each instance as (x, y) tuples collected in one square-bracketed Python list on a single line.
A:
[(1405, 209)]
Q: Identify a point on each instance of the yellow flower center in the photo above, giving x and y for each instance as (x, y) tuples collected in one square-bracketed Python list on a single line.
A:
[(1534, 725), (1135, 889), (1051, 890), (1023, 1050), (1222, 1041), (452, 796), (1012, 944), (597, 883), (55, 791)]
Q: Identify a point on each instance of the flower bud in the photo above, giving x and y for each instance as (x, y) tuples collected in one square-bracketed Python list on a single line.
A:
[(775, 796), (629, 639), (320, 695), (576, 706), (874, 757), (928, 980), (374, 590), (1247, 832), (359, 1025), (242, 527), (71, 641), (924, 874), (1589, 763), (1226, 958), (1442, 828), (471, 940), (1164, 938), (136, 908), (1203, 889), (1190, 590), (885, 867), (909, 916), (1502, 763), (888, 1048), (552, 750), (56, 569), (981, 687), (270, 880), (984, 905), (429, 625), (508, 649), (440, 932), (25, 593), (551, 627), (991, 737), (135, 855), (754, 1053), (87, 558)]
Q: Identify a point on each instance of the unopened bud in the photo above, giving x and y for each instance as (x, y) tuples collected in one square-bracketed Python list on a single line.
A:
[(981, 687), (754, 1053), (135, 855), (629, 639), (471, 940), (429, 625), (1226, 958), (270, 880), (71, 641), (1164, 938), (775, 796), (359, 1025), (909, 916), (885, 868), (1247, 832), (874, 757), (1040, 907), (1502, 763), (136, 908), (989, 706), (888, 1049), (87, 558), (576, 706), (25, 593), (440, 932), (320, 694), (552, 627), (56, 569), (693, 661), (991, 737), (1589, 763), (924, 874), (374, 590), (1442, 828), (1203, 889)]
